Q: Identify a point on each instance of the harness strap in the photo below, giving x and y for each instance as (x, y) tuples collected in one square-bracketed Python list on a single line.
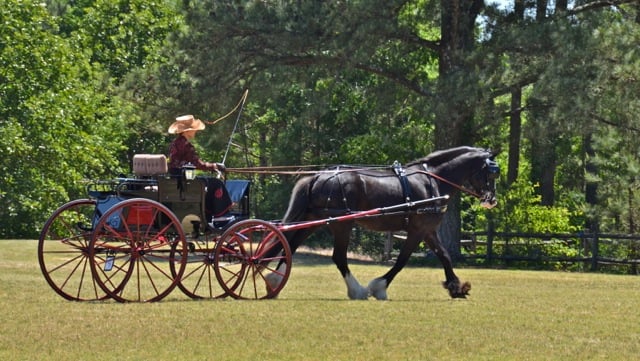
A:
[(435, 192), (399, 171), (338, 171)]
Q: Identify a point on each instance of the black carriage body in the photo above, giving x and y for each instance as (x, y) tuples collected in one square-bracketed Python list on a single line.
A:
[(151, 180)]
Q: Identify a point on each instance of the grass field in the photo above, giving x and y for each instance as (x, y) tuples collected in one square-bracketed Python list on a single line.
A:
[(511, 315)]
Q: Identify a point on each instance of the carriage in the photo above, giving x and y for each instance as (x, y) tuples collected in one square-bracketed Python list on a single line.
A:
[(137, 239)]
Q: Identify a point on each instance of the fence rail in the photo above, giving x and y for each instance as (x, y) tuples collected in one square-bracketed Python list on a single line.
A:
[(591, 251)]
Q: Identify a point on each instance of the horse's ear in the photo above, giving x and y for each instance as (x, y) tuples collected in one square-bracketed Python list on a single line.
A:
[(494, 152)]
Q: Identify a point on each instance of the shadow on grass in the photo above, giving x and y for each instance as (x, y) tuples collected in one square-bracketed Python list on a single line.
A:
[(311, 256)]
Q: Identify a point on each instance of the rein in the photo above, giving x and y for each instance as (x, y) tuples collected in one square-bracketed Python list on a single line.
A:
[(298, 170), (457, 186)]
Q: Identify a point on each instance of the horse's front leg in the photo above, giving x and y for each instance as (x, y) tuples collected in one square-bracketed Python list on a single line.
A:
[(378, 286), (456, 288)]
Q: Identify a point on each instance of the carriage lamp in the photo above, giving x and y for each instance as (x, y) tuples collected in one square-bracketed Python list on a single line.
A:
[(189, 171)]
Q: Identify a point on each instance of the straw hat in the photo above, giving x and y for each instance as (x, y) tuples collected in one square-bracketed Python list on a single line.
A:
[(185, 123)]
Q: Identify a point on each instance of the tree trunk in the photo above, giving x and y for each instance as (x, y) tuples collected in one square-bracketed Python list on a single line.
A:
[(541, 9), (455, 112), (561, 5), (515, 131), (544, 152), (515, 114), (518, 8), (543, 159), (547, 178), (591, 187)]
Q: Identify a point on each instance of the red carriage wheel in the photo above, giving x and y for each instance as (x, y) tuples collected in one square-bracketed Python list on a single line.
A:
[(138, 251), (199, 280), (252, 260), (63, 251)]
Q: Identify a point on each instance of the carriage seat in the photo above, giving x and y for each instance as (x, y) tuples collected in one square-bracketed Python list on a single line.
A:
[(145, 165)]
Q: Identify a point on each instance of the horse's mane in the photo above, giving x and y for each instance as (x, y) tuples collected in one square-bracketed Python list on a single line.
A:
[(442, 156)]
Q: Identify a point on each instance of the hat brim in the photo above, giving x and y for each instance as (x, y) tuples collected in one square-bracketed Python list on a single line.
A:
[(181, 127)]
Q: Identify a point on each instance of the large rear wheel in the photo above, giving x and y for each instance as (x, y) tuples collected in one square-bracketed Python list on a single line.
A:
[(252, 260), (63, 251), (138, 251)]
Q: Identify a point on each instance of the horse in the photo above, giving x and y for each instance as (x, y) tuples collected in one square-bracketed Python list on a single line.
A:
[(344, 190)]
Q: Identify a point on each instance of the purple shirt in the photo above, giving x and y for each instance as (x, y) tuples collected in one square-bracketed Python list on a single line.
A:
[(182, 152)]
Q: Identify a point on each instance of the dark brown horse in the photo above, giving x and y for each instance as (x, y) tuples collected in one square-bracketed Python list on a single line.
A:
[(343, 190)]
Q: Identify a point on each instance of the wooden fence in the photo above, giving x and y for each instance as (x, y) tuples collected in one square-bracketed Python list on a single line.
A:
[(585, 251)]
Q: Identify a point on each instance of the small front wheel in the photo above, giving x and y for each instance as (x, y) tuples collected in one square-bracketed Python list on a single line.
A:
[(252, 260)]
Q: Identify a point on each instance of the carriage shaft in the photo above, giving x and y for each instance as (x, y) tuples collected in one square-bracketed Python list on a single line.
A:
[(361, 214)]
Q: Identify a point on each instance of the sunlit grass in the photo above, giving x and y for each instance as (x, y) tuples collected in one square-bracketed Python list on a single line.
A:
[(510, 315)]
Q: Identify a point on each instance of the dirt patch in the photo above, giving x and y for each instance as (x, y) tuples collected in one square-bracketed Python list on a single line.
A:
[(326, 252)]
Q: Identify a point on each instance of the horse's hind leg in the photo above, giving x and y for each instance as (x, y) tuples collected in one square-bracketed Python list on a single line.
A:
[(341, 232), (452, 283), (294, 239)]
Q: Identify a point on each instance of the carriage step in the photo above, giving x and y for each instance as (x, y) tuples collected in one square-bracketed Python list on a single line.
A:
[(221, 222)]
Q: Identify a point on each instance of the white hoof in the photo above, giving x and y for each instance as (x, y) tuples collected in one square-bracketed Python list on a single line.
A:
[(378, 288), (274, 279), (355, 291)]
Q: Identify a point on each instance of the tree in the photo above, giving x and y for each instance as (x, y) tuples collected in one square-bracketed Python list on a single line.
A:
[(558, 54), (57, 126), (122, 37), (612, 154)]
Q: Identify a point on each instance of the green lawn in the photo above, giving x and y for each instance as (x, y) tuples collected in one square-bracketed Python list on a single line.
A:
[(511, 315)]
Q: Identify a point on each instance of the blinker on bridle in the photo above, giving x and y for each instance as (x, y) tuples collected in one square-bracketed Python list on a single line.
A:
[(493, 168)]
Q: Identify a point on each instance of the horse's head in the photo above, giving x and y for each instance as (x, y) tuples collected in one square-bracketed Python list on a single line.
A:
[(468, 169), (483, 181)]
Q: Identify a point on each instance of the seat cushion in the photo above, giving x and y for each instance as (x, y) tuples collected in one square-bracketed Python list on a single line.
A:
[(149, 164)]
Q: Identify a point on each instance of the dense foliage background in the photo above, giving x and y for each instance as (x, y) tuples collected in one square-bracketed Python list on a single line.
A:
[(554, 85)]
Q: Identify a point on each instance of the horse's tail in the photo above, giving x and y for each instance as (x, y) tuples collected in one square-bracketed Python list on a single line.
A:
[(299, 202), (296, 210)]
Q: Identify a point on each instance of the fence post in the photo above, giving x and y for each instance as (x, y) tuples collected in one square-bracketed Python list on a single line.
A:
[(594, 251), (585, 248), (490, 240), (388, 245)]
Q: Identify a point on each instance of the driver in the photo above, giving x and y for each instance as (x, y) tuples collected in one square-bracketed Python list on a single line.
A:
[(182, 152)]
